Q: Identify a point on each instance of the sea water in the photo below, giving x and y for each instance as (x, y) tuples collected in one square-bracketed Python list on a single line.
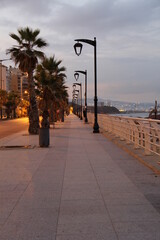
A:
[(134, 115)]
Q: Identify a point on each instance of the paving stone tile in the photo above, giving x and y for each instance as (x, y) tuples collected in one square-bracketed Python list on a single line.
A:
[(42, 202), (124, 198), (33, 230), (82, 211), (99, 230), (81, 187), (133, 213), (43, 186), (79, 184), (43, 197), (139, 236), (137, 227), (40, 216), (81, 192), (117, 187), (94, 236)]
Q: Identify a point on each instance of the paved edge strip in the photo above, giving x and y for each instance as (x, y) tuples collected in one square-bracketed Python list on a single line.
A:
[(155, 170)]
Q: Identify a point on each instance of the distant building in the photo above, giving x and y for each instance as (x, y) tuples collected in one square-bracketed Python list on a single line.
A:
[(8, 79), (100, 104), (15, 78), (12, 79), (2, 76)]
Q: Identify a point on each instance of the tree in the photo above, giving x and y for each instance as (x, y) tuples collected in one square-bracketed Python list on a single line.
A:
[(58, 86), (13, 99), (3, 99), (26, 56), (22, 109), (44, 92), (50, 85), (62, 98)]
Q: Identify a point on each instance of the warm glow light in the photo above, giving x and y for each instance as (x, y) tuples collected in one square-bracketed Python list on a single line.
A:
[(71, 110), (26, 74), (122, 110)]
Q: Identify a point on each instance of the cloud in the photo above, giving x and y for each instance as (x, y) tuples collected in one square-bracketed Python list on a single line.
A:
[(29, 7), (127, 34), (105, 16)]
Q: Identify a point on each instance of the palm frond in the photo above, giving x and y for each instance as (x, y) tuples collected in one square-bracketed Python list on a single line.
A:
[(39, 43), (15, 37)]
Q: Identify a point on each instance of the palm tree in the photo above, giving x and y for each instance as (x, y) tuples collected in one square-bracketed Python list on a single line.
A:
[(50, 84), (62, 97), (45, 93), (26, 56), (58, 86)]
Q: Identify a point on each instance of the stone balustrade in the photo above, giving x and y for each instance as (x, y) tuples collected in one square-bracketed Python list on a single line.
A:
[(143, 133)]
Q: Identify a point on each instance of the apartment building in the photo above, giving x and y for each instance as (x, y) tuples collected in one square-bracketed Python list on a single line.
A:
[(12, 79), (3, 70)]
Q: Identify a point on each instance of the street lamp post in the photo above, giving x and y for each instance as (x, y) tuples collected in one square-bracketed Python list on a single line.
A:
[(79, 84), (78, 104), (85, 95), (78, 48), (75, 97)]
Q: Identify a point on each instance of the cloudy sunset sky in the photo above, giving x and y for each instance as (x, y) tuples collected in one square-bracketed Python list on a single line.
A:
[(128, 41)]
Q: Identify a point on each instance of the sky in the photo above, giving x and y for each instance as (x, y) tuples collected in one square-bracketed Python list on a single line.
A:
[(128, 42)]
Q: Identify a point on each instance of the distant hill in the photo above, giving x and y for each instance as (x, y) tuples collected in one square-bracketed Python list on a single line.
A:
[(121, 105), (104, 109)]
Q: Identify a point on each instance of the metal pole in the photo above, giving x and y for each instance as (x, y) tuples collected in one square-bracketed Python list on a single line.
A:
[(81, 101), (96, 126), (77, 106), (79, 46), (86, 119)]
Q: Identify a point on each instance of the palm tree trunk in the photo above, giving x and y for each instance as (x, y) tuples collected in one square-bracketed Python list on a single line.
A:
[(14, 112), (33, 109), (51, 113), (45, 120)]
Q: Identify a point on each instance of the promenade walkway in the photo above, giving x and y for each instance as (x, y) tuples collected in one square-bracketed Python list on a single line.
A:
[(83, 187)]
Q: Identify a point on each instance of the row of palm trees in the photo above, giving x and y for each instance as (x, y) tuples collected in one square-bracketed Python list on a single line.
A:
[(50, 87), (45, 79)]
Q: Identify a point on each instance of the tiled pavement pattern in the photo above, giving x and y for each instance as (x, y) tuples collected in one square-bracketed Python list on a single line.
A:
[(82, 187)]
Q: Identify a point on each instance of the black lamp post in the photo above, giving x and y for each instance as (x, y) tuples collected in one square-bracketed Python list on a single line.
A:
[(75, 105), (79, 84), (74, 97), (78, 49), (76, 75)]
